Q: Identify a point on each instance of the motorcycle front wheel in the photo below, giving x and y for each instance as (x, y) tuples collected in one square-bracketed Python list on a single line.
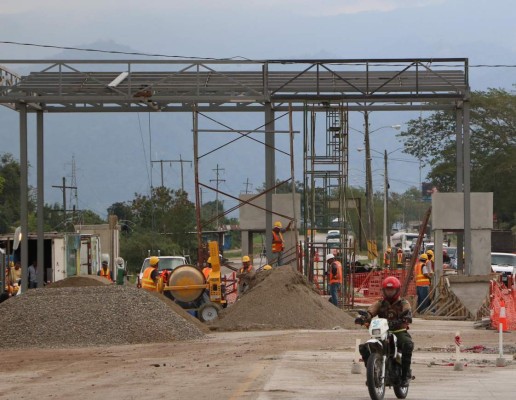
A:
[(400, 391), (375, 383)]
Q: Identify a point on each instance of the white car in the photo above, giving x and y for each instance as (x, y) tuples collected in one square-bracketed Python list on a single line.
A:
[(165, 263), (504, 264)]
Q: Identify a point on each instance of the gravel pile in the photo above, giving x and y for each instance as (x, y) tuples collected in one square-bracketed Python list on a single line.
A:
[(90, 316), (281, 298), (75, 281)]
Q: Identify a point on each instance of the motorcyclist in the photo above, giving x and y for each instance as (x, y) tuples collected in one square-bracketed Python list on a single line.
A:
[(399, 315)]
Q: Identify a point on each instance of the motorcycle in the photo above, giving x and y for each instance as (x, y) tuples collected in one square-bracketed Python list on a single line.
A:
[(383, 366)]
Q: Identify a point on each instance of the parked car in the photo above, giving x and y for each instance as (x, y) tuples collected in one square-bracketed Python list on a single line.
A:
[(166, 263), (504, 264)]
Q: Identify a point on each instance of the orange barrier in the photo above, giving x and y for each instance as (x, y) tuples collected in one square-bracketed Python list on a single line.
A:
[(369, 284), (503, 307)]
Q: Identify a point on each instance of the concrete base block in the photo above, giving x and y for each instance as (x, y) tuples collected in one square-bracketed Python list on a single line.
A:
[(356, 368), (500, 362), (458, 366)]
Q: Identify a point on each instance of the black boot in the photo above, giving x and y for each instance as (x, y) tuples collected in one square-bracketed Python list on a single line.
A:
[(406, 373)]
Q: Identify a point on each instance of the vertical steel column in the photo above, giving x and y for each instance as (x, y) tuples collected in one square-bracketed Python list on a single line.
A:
[(40, 199), (270, 175), (459, 176), (24, 183), (371, 230), (467, 191), (198, 205)]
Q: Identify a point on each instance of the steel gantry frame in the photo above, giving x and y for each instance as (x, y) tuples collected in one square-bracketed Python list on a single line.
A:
[(267, 86)]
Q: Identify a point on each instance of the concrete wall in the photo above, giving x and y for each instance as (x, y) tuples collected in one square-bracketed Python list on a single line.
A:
[(448, 215), (252, 219)]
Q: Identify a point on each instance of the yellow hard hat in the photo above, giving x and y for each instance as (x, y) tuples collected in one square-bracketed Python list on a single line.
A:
[(277, 224), (423, 257), (246, 259), (267, 267), (209, 260), (430, 253), (153, 261)]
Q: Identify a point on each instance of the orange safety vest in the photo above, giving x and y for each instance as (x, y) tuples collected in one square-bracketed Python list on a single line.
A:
[(421, 280), (106, 274), (147, 281), (337, 278), (400, 258), (206, 272), (277, 242), (244, 270)]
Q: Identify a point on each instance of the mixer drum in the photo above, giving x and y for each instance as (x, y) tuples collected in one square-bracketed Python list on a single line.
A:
[(187, 275)]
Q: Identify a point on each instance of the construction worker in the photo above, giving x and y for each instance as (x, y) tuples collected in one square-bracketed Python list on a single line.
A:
[(151, 275), (207, 269), (399, 258), (431, 260), (245, 275), (387, 258), (278, 243), (105, 272), (423, 276), (120, 271), (334, 278), (399, 314)]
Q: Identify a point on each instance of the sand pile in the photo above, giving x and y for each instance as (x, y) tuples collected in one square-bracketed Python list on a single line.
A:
[(282, 299), (75, 281), (90, 316)]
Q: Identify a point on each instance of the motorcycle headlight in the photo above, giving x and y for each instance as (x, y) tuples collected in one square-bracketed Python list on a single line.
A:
[(376, 332)]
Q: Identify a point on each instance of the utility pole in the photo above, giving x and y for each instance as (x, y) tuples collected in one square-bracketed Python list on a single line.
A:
[(63, 187), (371, 229), (181, 161), (217, 180), (247, 184)]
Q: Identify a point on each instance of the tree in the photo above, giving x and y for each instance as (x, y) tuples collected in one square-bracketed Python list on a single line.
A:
[(493, 148)]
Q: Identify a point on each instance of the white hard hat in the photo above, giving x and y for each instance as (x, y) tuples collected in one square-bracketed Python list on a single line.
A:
[(329, 257)]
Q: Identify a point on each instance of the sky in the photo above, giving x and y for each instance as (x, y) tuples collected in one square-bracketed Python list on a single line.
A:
[(112, 153)]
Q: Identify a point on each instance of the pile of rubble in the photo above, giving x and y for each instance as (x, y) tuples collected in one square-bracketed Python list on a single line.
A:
[(281, 298), (90, 316)]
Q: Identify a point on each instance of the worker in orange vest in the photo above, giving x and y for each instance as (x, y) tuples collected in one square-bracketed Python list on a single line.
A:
[(423, 276), (387, 258), (105, 272), (245, 275), (399, 258), (206, 270), (334, 278), (278, 243), (151, 275)]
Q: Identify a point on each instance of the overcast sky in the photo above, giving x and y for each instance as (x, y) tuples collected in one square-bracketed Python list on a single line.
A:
[(483, 31)]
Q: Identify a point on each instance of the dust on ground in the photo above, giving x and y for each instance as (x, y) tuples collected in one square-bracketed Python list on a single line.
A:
[(281, 298)]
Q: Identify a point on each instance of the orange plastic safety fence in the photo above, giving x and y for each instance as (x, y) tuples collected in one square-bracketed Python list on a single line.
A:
[(501, 296), (369, 284)]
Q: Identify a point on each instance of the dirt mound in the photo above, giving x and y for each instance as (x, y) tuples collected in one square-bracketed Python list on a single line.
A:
[(282, 298), (75, 281), (90, 316)]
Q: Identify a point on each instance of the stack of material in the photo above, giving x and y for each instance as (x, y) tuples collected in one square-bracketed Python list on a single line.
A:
[(282, 298), (90, 316)]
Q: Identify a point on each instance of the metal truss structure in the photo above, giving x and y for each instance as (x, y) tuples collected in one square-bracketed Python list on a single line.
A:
[(266, 86)]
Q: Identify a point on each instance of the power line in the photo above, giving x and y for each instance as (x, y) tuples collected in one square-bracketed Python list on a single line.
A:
[(136, 53)]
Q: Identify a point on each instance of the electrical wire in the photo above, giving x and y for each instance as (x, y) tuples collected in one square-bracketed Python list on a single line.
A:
[(136, 53)]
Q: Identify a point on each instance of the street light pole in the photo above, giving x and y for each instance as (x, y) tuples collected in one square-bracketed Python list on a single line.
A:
[(385, 202)]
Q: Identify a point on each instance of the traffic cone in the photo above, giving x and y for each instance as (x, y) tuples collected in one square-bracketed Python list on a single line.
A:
[(503, 316)]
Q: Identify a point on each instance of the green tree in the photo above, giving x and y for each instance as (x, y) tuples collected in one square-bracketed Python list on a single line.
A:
[(493, 148)]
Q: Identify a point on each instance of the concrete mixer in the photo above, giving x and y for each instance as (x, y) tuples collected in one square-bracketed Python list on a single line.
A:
[(192, 291)]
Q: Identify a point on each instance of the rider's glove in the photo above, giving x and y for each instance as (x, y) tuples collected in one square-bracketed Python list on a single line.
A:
[(359, 321)]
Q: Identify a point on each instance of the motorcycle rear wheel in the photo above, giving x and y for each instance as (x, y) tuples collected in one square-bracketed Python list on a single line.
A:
[(375, 384)]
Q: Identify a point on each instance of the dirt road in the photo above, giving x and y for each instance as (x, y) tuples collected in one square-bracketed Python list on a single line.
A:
[(296, 364)]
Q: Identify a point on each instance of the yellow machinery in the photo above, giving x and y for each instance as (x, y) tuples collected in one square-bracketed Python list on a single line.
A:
[(192, 291)]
